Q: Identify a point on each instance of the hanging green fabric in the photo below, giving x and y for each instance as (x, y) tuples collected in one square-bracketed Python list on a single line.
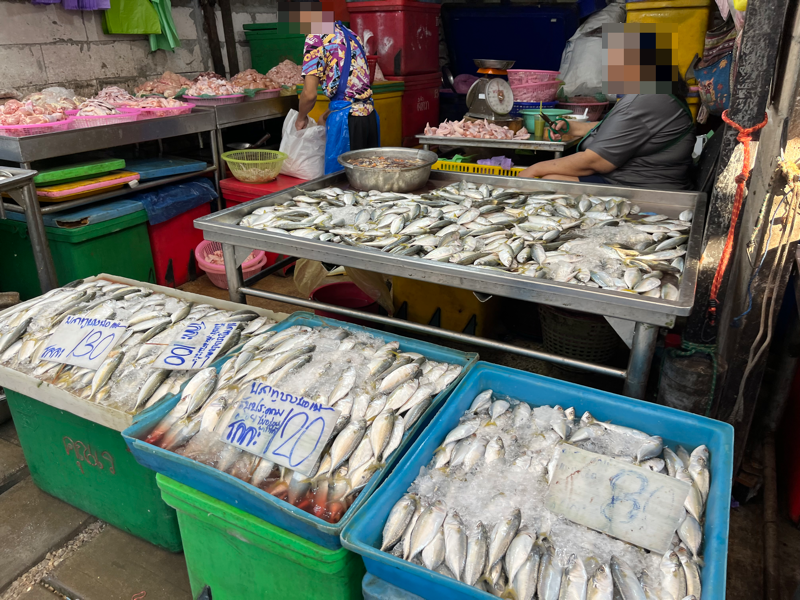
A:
[(168, 38), (131, 16)]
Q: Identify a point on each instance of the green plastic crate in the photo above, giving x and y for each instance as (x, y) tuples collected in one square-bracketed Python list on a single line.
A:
[(240, 556), (119, 246), (272, 43), (89, 466)]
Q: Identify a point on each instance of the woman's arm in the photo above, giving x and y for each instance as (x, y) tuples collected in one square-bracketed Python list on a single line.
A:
[(577, 129), (577, 165), (308, 98)]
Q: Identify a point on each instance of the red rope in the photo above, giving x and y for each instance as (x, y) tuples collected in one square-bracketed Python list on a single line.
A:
[(745, 135)]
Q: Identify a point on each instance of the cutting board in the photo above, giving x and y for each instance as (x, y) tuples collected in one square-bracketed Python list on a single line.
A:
[(86, 187), (76, 172), (154, 168)]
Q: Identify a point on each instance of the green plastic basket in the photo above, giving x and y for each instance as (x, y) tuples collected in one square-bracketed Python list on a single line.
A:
[(255, 166)]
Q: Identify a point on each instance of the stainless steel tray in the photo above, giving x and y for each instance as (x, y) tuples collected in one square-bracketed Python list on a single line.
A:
[(438, 140), (222, 227)]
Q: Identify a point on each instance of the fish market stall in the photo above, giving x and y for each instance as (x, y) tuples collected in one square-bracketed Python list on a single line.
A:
[(69, 416), (503, 495), (636, 315), (27, 150)]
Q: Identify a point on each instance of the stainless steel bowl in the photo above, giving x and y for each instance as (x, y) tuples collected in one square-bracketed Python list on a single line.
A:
[(503, 65), (406, 179)]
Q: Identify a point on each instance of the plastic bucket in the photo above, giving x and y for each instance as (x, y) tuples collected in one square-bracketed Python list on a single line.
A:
[(216, 273), (347, 295)]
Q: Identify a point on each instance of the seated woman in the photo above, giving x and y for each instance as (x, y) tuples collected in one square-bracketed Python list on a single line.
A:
[(645, 141)]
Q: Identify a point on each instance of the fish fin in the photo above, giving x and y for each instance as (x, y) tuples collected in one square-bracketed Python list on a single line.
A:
[(509, 593), (489, 423), (443, 469)]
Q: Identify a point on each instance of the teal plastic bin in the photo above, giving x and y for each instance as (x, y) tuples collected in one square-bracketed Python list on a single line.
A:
[(272, 43)]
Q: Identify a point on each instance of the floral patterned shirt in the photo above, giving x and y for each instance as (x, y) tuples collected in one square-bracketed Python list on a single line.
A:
[(323, 57)]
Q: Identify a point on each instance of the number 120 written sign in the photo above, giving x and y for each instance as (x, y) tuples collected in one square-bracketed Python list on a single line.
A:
[(286, 429)]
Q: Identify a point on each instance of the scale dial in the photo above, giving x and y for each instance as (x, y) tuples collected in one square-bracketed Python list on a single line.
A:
[(499, 96)]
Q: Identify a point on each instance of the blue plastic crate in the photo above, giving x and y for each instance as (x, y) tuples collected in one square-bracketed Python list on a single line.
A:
[(258, 503), (363, 533)]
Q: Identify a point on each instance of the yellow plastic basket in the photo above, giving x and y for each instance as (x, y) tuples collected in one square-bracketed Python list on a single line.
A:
[(443, 165), (255, 166)]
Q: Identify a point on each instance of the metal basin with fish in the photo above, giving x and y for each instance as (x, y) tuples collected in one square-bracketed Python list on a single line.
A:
[(403, 179)]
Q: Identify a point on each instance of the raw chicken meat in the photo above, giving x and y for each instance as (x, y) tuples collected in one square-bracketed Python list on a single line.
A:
[(477, 130), (253, 80), (215, 258), (286, 73), (167, 85), (57, 97), (205, 86), (96, 108), (15, 112), (155, 102), (116, 96)]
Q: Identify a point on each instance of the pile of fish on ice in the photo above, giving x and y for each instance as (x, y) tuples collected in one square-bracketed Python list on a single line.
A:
[(126, 380), (476, 513), (588, 240), (380, 390)]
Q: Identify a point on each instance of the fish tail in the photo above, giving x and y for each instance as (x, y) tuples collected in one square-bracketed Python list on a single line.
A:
[(489, 423)]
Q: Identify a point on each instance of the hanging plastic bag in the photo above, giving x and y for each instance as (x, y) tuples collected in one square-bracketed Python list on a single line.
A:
[(306, 148), (131, 16), (308, 276), (373, 285)]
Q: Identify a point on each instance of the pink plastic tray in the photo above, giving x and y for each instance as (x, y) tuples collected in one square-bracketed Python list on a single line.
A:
[(24, 130), (216, 100), (543, 91), (153, 113), (266, 94), (526, 76), (127, 115)]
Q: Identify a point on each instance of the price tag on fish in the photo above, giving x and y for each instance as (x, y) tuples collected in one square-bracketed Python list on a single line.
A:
[(83, 342), (196, 347), (630, 503), (289, 430)]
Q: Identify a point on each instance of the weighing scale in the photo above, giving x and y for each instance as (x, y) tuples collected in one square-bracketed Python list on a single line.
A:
[(491, 98)]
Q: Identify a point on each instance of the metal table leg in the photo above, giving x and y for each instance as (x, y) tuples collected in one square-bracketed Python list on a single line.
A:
[(41, 249), (233, 273), (216, 152), (426, 146), (644, 346), (557, 154)]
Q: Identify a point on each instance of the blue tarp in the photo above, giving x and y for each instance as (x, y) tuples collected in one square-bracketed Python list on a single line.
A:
[(169, 201), (86, 215)]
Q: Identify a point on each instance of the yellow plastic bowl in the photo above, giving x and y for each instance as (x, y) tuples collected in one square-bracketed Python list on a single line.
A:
[(255, 166)]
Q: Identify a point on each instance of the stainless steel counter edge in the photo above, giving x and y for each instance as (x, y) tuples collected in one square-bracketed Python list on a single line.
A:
[(38, 147), (436, 140), (222, 227)]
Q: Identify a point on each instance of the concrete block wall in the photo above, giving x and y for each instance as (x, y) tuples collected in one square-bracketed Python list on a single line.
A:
[(46, 45)]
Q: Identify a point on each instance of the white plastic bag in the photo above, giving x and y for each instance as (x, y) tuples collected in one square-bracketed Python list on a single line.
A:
[(582, 61), (306, 148)]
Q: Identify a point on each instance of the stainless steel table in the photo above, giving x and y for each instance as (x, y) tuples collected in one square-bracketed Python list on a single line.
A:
[(436, 140), (26, 150), (644, 315)]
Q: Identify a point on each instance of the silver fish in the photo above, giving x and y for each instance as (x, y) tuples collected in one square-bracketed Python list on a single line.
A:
[(625, 580), (574, 580), (381, 432), (398, 520), (455, 540), (502, 535), (495, 449), (550, 574), (434, 553), (346, 442), (601, 585), (691, 573), (461, 431), (673, 577), (427, 526), (518, 552), (691, 534)]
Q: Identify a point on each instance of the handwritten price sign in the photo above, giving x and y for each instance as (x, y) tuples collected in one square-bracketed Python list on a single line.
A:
[(627, 502), (83, 342), (288, 430), (196, 347)]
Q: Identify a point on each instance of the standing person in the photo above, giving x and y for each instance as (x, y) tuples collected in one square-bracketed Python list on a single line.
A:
[(332, 50)]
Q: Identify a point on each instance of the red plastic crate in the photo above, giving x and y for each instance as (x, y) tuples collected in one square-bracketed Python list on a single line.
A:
[(237, 192), (403, 33), (173, 243), (420, 104)]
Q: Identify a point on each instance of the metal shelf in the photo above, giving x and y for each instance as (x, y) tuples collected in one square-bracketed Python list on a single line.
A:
[(64, 206), (435, 140)]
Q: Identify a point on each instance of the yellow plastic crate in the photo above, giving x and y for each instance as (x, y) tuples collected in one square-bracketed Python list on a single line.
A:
[(444, 165)]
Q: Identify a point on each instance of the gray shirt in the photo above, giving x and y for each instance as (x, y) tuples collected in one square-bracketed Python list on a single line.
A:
[(633, 137)]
